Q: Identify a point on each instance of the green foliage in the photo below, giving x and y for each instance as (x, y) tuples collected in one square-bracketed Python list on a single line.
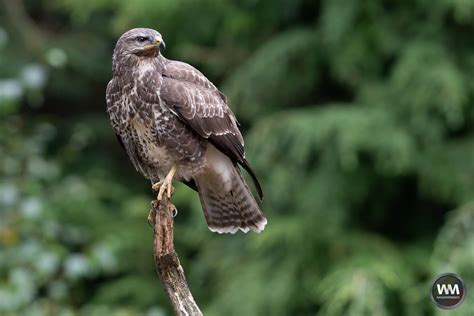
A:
[(358, 118), (275, 65), (454, 250)]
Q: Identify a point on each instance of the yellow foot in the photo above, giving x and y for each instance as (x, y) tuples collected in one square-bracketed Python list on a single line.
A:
[(156, 186), (165, 185)]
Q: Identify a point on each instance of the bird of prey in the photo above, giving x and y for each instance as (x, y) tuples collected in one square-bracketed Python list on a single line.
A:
[(175, 124)]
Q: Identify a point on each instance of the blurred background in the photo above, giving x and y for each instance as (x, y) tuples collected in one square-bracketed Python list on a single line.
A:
[(358, 118)]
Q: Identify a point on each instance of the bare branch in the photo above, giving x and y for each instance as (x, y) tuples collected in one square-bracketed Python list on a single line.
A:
[(167, 264)]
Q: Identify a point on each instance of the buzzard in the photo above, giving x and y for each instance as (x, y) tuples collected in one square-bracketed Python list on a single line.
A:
[(175, 124)]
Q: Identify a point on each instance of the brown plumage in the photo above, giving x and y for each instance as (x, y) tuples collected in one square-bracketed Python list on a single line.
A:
[(166, 113)]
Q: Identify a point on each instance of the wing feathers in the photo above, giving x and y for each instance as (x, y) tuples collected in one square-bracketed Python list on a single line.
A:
[(197, 101)]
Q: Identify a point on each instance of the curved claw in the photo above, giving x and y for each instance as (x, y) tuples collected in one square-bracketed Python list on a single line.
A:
[(153, 205), (173, 208), (151, 218)]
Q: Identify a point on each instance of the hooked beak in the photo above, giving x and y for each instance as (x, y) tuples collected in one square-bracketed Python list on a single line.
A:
[(159, 41)]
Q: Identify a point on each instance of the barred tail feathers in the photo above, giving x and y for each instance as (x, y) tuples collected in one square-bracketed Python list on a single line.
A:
[(226, 199)]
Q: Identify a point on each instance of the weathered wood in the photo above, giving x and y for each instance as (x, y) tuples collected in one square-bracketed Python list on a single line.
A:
[(167, 264)]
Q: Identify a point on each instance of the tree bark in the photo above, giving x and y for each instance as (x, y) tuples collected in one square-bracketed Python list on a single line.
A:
[(167, 263)]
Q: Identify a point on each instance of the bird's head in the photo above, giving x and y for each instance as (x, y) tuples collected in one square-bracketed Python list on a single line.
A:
[(140, 42)]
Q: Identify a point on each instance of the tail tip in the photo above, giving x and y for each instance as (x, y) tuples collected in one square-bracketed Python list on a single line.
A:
[(256, 227)]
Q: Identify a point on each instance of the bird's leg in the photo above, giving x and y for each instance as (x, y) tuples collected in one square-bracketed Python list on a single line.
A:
[(160, 187), (165, 184)]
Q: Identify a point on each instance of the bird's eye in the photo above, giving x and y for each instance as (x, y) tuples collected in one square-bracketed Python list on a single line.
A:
[(142, 39)]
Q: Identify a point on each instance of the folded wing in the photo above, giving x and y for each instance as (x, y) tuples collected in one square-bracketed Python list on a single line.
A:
[(191, 96)]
